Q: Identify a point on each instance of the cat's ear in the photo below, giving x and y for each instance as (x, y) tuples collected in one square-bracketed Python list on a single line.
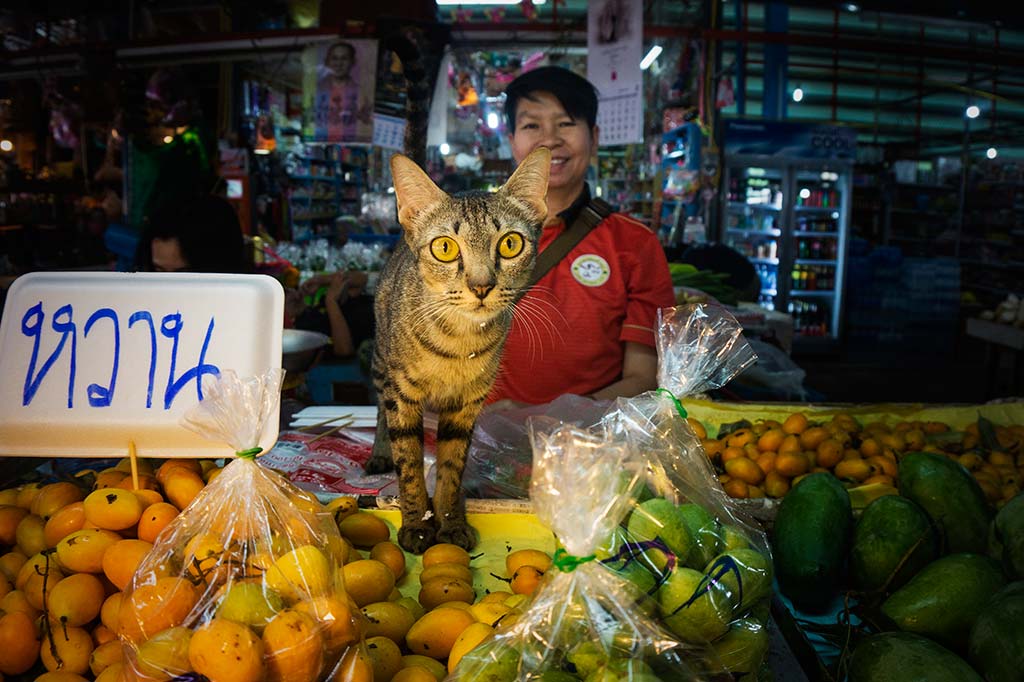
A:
[(414, 189), (529, 183)]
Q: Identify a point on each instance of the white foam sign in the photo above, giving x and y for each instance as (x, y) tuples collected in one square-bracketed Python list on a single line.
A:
[(92, 361)]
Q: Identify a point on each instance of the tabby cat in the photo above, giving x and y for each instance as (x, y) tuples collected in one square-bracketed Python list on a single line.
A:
[(444, 304)]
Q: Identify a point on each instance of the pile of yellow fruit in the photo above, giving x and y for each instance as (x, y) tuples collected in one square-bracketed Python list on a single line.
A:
[(768, 457), (68, 551)]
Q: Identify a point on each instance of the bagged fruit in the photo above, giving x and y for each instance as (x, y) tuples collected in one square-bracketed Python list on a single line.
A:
[(684, 543), (245, 584), (584, 621)]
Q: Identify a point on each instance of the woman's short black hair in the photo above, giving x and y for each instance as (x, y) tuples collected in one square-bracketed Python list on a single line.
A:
[(208, 233), (576, 94)]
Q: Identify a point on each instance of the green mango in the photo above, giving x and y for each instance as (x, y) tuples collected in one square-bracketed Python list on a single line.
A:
[(945, 598), (745, 575), (906, 657), (658, 518), (996, 645), (704, 529), (694, 617), (743, 647)]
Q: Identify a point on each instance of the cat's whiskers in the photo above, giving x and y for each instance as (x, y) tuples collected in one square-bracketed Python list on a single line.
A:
[(537, 323), (428, 313)]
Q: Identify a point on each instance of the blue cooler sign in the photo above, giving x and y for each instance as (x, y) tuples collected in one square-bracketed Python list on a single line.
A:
[(789, 140)]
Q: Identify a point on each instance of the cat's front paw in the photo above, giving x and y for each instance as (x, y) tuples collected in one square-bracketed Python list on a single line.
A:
[(458, 533), (416, 537), (379, 464)]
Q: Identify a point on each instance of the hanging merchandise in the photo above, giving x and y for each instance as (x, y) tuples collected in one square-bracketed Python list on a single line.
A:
[(339, 81)]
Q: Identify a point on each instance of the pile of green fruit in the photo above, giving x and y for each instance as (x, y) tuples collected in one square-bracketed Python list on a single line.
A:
[(936, 577), (700, 583), (711, 283)]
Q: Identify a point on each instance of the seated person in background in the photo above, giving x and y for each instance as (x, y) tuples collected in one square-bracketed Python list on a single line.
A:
[(587, 327), (346, 314), (743, 275), (201, 235)]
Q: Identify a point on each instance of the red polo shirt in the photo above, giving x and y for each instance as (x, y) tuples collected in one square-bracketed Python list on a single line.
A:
[(569, 329)]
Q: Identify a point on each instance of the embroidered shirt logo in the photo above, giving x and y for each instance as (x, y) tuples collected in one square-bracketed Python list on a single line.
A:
[(590, 270)]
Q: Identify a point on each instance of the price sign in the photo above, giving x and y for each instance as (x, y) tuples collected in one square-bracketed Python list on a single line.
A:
[(91, 361)]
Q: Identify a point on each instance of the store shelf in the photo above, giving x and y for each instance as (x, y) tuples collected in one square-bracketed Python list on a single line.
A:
[(1003, 265), (919, 185), (815, 234), (814, 261), (765, 233), (1002, 291), (770, 292), (817, 293), (321, 178), (915, 211), (767, 261), (739, 205), (897, 238), (816, 209)]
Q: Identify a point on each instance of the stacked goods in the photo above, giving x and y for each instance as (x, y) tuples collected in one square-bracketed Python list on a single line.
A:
[(767, 457), (930, 573)]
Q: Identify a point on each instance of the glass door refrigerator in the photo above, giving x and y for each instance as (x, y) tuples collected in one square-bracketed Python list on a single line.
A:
[(786, 207)]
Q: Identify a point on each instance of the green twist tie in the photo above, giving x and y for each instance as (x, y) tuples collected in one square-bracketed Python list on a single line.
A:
[(679, 406), (250, 453), (567, 563)]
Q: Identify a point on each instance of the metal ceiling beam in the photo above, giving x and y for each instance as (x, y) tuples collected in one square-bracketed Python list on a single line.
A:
[(928, 50)]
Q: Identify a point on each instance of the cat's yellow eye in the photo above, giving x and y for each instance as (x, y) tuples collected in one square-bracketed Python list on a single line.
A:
[(510, 245), (444, 249)]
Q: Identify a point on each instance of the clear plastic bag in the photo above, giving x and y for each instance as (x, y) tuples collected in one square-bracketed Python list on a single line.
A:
[(244, 585), (680, 580), (584, 622), (500, 458), (707, 565)]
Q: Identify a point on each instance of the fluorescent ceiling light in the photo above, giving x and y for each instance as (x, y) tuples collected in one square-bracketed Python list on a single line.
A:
[(973, 111), (851, 7), (798, 94), (260, 151), (6, 145), (650, 57), (168, 139), (444, 149), (492, 121), (805, 193), (991, 152)]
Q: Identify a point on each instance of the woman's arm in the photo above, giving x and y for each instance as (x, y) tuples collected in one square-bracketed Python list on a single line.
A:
[(639, 373), (341, 334)]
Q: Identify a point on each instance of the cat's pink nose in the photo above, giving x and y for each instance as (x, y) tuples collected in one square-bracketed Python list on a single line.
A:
[(482, 291)]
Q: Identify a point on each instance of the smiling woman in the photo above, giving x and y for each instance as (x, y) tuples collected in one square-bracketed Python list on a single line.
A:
[(604, 293)]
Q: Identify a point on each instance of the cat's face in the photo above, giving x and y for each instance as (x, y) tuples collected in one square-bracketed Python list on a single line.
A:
[(475, 253)]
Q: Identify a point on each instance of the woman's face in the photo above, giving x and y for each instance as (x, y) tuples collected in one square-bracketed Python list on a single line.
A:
[(167, 256), (543, 122), (339, 60)]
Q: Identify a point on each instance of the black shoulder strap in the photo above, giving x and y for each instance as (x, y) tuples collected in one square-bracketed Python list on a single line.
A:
[(588, 218)]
